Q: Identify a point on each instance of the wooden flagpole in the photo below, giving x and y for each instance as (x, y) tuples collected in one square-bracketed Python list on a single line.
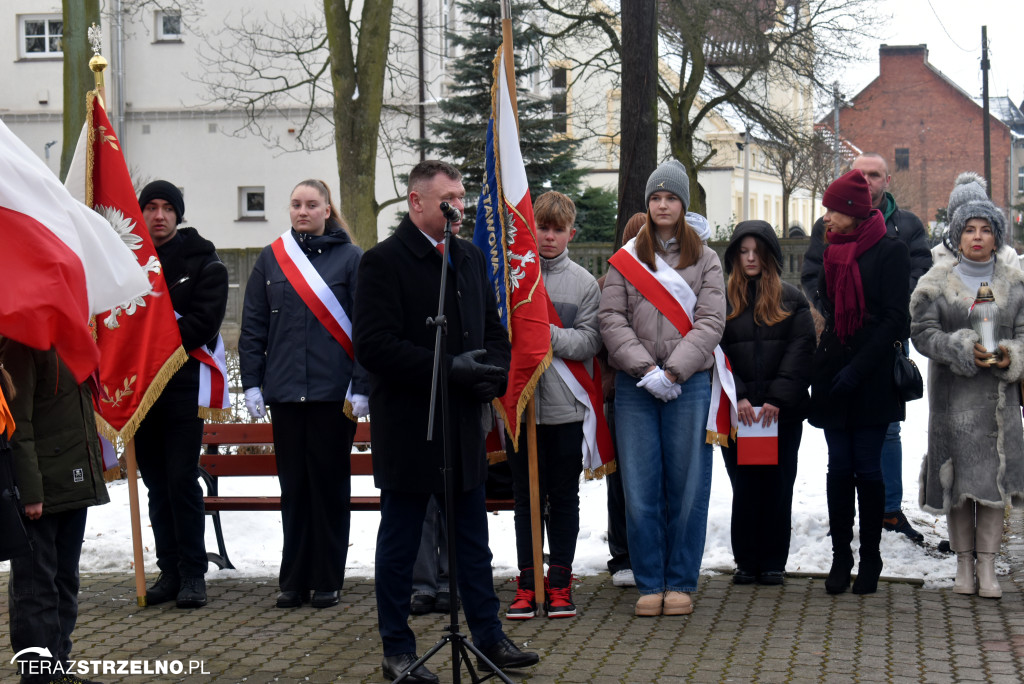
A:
[(531, 419), (97, 64)]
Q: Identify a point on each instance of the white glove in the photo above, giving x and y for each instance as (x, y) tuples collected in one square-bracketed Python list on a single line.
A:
[(360, 405), (655, 382), (254, 402)]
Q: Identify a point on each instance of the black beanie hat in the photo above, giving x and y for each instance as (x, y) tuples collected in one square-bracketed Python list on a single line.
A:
[(169, 192)]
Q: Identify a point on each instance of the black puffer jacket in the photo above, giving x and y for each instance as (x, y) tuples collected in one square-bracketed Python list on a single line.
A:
[(284, 349), (898, 224), (198, 283), (770, 363)]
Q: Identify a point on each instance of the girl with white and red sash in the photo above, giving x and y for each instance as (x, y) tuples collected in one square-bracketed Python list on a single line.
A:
[(769, 339), (663, 395), (296, 355), (864, 289)]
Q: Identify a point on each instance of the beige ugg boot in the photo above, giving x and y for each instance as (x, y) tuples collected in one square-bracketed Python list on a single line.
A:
[(649, 605), (960, 521), (988, 537), (677, 603)]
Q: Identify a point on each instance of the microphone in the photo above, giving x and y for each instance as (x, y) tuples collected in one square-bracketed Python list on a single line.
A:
[(451, 213)]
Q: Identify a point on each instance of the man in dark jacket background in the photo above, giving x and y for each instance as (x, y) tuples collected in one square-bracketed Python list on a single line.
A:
[(908, 228), (58, 468), (397, 291), (169, 439)]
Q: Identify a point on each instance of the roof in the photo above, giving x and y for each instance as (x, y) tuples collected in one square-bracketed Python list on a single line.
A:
[(1002, 108)]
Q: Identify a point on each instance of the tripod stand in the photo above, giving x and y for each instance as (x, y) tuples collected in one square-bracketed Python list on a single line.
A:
[(461, 646)]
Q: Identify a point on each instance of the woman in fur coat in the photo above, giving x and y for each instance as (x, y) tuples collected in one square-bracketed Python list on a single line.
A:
[(974, 466)]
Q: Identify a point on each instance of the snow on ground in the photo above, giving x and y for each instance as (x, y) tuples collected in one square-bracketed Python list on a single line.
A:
[(253, 539)]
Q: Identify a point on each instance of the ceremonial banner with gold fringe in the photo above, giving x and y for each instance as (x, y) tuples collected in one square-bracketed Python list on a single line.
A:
[(506, 233), (140, 346)]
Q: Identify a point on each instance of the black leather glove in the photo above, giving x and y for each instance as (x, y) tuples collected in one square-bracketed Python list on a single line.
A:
[(482, 379), (845, 381)]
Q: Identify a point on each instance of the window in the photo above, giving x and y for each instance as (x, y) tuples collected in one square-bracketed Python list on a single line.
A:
[(559, 98), (41, 36), (902, 158), (250, 202), (1020, 179), (168, 25)]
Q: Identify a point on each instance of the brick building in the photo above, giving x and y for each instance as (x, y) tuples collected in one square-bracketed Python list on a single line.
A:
[(927, 128)]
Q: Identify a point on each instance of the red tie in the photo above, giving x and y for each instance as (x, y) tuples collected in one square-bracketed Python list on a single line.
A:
[(440, 247)]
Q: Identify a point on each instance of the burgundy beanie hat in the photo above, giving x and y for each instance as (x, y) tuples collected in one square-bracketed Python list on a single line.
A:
[(849, 194)]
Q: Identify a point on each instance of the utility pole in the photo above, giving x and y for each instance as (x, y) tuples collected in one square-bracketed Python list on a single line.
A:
[(984, 106), (835, 127), (746, 174)]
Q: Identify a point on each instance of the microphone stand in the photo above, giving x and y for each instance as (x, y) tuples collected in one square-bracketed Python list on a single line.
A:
[(461, 646)]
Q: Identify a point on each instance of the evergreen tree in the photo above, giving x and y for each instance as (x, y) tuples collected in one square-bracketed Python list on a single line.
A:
[(460, 132), (595, 215)]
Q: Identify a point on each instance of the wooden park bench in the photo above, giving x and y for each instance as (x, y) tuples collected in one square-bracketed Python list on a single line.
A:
[(218, 461)]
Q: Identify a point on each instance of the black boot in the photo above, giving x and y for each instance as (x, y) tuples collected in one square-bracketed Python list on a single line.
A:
[(871, 498), (840, 491)]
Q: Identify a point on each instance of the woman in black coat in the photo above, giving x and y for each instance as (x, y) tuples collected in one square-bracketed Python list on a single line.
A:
[(291, 361), (769, 340), (864, 288)]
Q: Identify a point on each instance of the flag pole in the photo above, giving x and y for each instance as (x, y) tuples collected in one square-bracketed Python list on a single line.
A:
[(97, 64), (508, 55)]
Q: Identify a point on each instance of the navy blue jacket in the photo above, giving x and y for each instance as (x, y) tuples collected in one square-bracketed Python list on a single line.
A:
[(283, 348)]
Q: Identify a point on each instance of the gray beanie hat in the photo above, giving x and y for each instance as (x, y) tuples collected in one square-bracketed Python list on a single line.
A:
[(983, 209), (670, 176), (969, 187)]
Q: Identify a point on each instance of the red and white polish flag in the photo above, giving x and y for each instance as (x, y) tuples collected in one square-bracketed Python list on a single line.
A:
[(757, 444), (61, 261)]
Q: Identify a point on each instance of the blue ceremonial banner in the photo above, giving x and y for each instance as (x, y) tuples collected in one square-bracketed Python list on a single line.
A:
[(487, 232)]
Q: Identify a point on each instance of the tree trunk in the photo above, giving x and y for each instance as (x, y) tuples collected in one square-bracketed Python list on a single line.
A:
[(358, 82), (785, 211), (79, 15), (638, 139)]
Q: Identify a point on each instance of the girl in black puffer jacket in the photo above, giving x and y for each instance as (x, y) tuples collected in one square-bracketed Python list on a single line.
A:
[(769, 339)]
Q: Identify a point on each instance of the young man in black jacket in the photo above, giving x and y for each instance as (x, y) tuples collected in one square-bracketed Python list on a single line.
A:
[(169, 440), (907, 227)]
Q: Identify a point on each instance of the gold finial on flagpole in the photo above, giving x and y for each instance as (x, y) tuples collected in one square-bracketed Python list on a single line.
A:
[(97, 63)]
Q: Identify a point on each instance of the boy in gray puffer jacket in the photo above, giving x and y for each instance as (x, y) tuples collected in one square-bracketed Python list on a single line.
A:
[(575, 297)]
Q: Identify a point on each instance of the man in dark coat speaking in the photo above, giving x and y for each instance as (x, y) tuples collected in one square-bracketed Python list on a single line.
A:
[(397, 291)]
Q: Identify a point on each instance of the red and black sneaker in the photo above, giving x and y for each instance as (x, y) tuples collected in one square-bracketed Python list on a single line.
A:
[(524, 605), (558, 603)]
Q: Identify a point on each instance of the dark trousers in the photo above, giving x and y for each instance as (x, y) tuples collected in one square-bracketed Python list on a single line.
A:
[(313, 444), (618, 545), (430, 571), (43, 591), (559, 464), (856, 451), (167, 448), (762, 505), (401, 522)]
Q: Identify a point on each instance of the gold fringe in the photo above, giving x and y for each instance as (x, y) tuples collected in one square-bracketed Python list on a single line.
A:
[(171, 366), (494, 457), (90, 156), (599, 472), (215, 415), (349, 413), (720, 439), (524, 397)]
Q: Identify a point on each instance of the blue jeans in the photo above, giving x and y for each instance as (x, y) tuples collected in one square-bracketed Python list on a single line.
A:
[(666, 475), (892, 468), (856, 451)]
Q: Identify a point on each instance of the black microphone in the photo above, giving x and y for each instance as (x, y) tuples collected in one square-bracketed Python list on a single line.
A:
[(451, 213)]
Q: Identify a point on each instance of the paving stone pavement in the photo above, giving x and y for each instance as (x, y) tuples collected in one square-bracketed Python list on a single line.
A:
[(796, 633)]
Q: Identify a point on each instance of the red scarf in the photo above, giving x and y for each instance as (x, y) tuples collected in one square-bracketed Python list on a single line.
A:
[(842, 274)]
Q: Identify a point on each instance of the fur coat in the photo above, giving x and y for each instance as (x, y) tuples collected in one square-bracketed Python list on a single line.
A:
[(975, 436)]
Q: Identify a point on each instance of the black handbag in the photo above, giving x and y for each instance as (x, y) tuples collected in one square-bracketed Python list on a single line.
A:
[(907, 376)]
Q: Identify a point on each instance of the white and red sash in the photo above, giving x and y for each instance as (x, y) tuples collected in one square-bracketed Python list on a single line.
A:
[(214, 402), (598, 448), (672, 296), (313, 290), (316, 295)]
